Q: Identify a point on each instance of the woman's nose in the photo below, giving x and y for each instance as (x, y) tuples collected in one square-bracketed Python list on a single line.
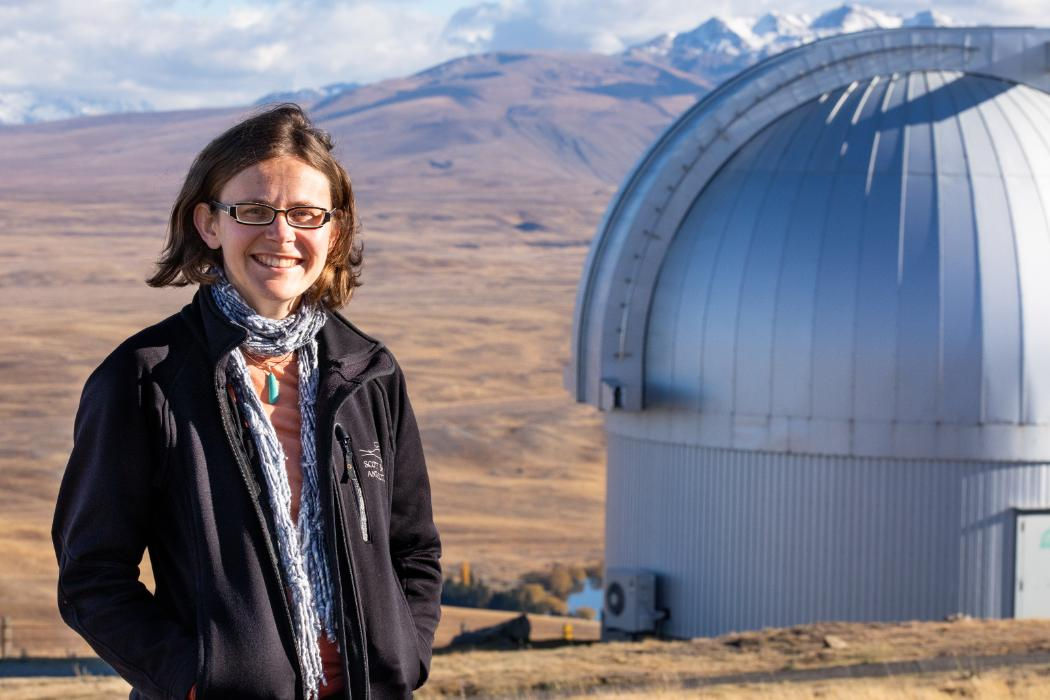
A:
[(279, 229)]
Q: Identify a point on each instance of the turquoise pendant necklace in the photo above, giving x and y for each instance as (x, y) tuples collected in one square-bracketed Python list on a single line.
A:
[(273, 387)]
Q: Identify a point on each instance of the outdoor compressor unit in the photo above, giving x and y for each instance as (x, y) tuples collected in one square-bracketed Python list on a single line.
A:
[(630, 602)]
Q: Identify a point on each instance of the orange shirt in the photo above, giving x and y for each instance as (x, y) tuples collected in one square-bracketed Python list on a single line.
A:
[(285, 418)]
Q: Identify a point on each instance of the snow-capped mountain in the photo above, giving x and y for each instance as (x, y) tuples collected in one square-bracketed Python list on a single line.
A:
[(853, 18), (722, 46), (930, 18), (307, 94), (27, 107), (774, 24)]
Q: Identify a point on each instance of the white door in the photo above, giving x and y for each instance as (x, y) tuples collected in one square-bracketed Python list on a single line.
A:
[(1032, 593)]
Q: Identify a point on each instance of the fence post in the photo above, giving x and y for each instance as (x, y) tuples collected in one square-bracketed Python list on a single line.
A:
[(6, 636)]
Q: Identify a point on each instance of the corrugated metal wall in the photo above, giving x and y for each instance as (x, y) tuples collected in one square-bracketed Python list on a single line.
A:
[(743, 540)]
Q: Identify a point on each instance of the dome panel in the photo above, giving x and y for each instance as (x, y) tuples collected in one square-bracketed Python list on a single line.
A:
[(796, 289), (860, 260), (686, 274)]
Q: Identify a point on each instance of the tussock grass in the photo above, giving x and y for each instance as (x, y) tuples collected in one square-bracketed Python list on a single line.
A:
[(1023, 684), (638, 669)]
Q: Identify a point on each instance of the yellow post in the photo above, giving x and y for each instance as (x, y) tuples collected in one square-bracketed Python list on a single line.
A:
[(566, 632), (464, 573)]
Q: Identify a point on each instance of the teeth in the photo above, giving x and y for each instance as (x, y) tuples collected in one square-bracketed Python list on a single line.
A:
[(274, 261)]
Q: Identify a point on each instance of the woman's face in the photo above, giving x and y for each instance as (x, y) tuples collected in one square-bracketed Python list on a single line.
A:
[(271, 266)]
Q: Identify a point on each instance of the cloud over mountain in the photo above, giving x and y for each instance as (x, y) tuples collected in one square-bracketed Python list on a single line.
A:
[(180, 53), (66, 57)]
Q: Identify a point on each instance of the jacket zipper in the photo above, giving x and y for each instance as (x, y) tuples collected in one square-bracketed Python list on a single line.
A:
[(253, 490), (340, 517), (350, 474)]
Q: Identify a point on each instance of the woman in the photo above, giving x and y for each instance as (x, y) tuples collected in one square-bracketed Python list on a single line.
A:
[(261, 447)]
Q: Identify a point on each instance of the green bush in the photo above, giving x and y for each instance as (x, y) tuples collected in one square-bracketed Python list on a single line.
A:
[(563, 579), (585, 613), (543, 592), (473, 595)]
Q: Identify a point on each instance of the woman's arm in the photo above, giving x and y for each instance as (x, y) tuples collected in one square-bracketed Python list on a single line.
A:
[(100, 532), (414, 543)]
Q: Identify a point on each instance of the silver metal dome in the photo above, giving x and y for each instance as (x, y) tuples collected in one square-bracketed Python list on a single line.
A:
[(853, 264)]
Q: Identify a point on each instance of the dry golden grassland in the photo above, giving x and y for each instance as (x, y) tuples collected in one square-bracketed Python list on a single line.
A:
[(771, 655), (761, 664)]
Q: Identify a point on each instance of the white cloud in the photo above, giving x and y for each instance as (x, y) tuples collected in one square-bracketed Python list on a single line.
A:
[(187, 53), (178, 54), (1000, 12), (591, 25)]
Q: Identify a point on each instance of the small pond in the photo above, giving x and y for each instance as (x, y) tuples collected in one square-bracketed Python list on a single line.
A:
[(589, 597)]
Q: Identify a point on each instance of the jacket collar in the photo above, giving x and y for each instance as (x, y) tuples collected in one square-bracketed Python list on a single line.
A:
[(343, 347), (219, 335)]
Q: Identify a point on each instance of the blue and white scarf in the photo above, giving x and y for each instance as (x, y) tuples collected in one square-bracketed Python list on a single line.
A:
[(300, 545)]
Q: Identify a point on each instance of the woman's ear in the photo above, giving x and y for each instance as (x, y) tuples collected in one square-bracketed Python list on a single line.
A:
[(336, 232), (206, 222)]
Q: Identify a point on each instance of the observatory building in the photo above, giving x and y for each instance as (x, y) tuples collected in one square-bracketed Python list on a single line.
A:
[(817, 319)]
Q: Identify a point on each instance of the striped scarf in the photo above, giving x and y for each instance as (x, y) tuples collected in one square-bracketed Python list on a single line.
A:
[(300, 545)]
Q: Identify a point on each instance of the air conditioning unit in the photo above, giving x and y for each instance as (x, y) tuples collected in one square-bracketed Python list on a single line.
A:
[(630, 601)]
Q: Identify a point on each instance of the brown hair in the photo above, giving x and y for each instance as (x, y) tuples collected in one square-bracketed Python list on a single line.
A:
[(282, 130)]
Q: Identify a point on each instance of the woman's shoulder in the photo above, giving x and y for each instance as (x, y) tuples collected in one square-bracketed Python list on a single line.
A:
[(344, 339), (359, 352), (348, 331), (153, 350)]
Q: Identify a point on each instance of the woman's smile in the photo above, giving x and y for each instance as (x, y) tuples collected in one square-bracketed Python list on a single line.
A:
[(275, 261)]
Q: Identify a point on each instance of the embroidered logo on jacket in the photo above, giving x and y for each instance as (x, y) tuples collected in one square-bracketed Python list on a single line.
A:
[(373, 462)]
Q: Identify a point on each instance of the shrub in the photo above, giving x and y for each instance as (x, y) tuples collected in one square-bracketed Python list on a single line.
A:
[(542, 592), (585, 613), (468, 595)]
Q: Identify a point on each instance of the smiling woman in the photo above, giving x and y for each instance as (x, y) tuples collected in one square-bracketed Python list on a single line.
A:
[(227, 441)]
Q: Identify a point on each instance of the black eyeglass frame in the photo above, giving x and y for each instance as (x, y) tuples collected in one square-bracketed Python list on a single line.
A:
[(231, 209)]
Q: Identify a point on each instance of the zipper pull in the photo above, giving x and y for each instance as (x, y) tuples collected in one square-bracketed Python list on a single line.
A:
[(348, 452), (350, 474)]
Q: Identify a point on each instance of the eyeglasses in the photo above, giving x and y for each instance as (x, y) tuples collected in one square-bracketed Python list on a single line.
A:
[(255, 214)]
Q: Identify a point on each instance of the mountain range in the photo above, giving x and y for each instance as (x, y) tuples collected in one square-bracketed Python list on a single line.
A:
[(719, 47), (712, 51), (463, 128), (29, 107)]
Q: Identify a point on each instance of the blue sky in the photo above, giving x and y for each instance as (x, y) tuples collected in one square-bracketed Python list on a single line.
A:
[(190, 53)]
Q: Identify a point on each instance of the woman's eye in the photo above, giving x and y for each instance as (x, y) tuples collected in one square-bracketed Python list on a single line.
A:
[(252, 212), (306, 215)]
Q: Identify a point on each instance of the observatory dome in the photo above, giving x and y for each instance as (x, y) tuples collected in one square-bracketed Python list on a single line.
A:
[(817, 317), (867, 275)]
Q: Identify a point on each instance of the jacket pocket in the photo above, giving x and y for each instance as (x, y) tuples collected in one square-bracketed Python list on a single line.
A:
[(350, 474), (200, 681), (413, 633)]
